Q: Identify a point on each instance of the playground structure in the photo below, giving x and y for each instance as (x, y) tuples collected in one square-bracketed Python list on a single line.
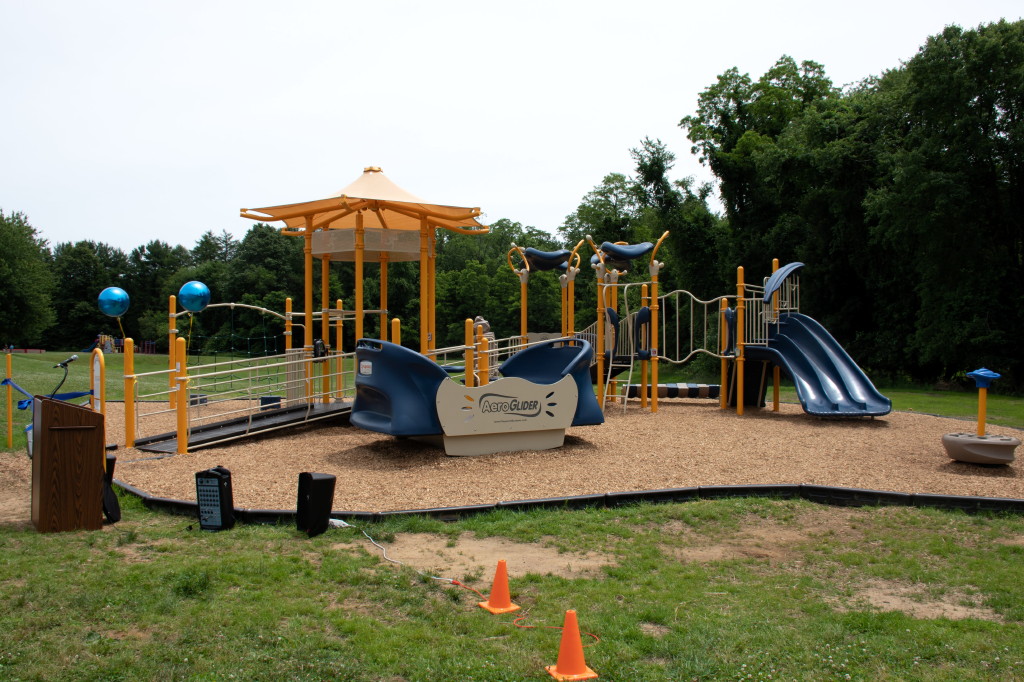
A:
[(371, 220), (763, 330), (374, 221)]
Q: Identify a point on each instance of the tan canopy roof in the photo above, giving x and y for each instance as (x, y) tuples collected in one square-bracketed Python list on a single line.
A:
[(383, 204)]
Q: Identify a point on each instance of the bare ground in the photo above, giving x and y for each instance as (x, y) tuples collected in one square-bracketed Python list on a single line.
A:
[(686, 443)]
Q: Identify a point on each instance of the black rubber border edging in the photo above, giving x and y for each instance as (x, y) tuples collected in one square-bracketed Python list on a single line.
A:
[(821, 494)]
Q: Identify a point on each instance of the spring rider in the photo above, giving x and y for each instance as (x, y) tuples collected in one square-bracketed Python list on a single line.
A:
[(977, 448)]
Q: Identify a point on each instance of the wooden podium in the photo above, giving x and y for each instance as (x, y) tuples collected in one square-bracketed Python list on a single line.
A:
[(67, 467)]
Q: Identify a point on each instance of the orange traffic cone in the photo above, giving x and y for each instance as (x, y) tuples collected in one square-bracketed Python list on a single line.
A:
[(571, 665), (499, 601)]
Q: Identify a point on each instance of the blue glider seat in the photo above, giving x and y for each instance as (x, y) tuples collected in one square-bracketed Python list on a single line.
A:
[(619, 256), (395, 390), (548, 362), (540, 261)]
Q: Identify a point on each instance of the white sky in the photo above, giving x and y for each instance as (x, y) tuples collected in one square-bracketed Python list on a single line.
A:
[(125, 121)]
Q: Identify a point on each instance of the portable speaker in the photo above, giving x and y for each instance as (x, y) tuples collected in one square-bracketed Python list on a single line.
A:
[(216, 501), (316, 497)]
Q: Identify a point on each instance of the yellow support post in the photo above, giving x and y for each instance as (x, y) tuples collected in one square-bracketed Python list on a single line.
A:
[(129, 391), (470, 354), (654, 268), (432, 288), (396, 331), (307, 253), (524, 279), (424, 290), (172, 335), (741, 308), (325, 325), (288, 323), (485, 359), (982, 409), (776, 374), (10, 403), (383, 297), (360, 254), (182, 413)]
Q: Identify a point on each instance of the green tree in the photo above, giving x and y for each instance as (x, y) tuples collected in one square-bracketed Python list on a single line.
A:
[(26, 306), (81, 271), (737, 121), (953, 153)]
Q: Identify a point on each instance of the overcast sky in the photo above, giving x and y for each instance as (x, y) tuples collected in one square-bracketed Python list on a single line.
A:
[(129, 121)]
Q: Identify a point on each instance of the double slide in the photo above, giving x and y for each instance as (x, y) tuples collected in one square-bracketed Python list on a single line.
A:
[(828, 382)]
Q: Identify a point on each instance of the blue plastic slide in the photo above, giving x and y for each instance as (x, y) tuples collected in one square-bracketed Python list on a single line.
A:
[(828, 382)]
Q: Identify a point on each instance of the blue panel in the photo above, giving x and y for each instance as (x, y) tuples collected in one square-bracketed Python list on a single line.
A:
[(548, 362), (397, 395)]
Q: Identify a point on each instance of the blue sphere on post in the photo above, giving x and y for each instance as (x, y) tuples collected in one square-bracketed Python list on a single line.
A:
[(194, 296), (114, 301)]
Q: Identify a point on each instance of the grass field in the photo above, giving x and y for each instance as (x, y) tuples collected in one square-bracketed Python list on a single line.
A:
[(153, 598), (707, 590)]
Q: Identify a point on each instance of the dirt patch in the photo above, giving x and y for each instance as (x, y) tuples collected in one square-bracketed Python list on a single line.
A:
[(915, 601), (769, 539), (477, 558)]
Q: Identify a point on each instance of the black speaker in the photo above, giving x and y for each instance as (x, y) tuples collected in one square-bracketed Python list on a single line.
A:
[(316, 497), (216, 501)]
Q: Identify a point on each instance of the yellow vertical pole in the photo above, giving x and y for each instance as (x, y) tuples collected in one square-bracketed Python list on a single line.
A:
[(325, 295), (432, 287), (982, 409), (470, 354), (182, 381), (325, 324), (655, 307), (723, 339), (10, 408), (776, 373), (129, 391), (741, 308), (339, 365), (485, 359), (424, 289), (524, 286), (307, 251), (172, 335), (360, 246), (396, 331), (383, 297), (288, 323), (565, 310), (570, 316)]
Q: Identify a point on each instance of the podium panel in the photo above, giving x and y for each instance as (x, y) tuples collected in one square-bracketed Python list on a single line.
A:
[(67, 467)]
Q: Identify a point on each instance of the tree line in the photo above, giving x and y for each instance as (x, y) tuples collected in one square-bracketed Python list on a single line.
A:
[(902, 194)]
